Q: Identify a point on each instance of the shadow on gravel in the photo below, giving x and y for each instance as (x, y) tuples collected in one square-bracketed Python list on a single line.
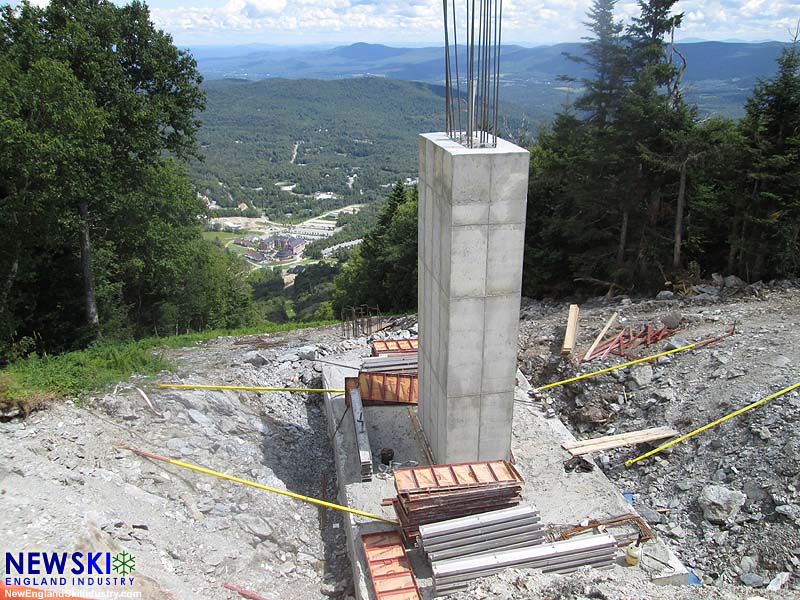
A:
[(303, 459)]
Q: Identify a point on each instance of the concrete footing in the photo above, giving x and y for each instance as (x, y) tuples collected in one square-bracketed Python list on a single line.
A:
[(562, 498)]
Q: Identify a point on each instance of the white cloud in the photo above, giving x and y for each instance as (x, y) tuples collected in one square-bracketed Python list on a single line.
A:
[(256, 9), (402, 21)]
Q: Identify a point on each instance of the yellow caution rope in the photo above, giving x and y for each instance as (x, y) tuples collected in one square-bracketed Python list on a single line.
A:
[(633, 362), (735, 413), (260, 486), (191, 386)]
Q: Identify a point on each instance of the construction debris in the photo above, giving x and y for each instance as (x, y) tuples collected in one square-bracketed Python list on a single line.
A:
[(617, 441), (482, 534), (242, 592), (579, 464), (641, 530), (427, 494), (391, 573), (600, 335), (572, 330), (699, 344), (559, 557), (627, 340)]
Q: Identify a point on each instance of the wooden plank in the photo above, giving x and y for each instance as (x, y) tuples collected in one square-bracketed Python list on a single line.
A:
[(599, 337), (616, 437), (616, 441), (572, 329)]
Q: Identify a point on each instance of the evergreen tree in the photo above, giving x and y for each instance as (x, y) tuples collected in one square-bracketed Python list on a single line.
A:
[(765, 237), (606, 56), (382, 271)]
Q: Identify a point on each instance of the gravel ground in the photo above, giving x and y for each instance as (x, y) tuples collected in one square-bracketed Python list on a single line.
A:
[(64, 484), (591, 584), (727, 499)]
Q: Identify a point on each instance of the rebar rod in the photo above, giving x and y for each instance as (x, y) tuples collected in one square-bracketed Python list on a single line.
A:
[(482, 33)]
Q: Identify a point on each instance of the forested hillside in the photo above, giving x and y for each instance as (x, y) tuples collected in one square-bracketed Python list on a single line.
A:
[(632, 186), (350, 137)]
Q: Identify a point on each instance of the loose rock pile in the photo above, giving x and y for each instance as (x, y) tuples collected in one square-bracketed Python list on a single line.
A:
[(63, 479), (728, 500), (590, 584)]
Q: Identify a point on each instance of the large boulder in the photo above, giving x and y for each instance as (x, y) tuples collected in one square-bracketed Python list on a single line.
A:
[(719, 504), (733, 282), (307, 352), (641, 376), (254, 358)]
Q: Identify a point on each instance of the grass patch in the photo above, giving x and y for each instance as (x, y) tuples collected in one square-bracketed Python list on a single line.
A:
[(189, 339), (222, 236), (74, 374)]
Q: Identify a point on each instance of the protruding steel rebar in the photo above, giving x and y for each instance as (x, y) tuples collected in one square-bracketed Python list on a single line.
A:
[(481, 25)]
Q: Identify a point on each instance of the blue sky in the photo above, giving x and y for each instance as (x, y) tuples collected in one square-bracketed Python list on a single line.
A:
[(401, 22)]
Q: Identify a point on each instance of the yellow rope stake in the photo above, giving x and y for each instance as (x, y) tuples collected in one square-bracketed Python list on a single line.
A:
[(190, 386), (735, 413), (628, 364), (260, 486)]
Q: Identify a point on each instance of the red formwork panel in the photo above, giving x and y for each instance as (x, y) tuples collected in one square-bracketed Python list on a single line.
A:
[(385, 388), (392, 577), (394, 346), (435, 478)]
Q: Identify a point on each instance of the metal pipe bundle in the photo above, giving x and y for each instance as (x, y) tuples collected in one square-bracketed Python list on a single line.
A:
[(483, 533), (559, 557), (406, 363)]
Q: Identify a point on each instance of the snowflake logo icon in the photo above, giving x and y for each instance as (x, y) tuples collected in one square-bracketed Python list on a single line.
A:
[(123, 563)]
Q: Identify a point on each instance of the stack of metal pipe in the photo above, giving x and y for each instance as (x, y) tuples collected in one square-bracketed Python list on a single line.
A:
[(560, 557), (483, 533), (395, 363)]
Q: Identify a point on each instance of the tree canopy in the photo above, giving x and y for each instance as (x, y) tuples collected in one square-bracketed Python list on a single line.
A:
[(102, 229), (629, 188), (382, 271)]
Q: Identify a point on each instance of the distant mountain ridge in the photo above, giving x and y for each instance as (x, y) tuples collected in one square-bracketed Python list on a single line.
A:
[(718, 78)]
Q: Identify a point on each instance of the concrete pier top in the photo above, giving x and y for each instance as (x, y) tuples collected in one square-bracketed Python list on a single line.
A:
[(471, 240)]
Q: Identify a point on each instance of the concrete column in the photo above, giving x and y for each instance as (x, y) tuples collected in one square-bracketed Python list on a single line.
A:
[(471, 237)]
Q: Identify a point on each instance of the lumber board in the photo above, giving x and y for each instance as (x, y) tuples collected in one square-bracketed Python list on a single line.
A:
[(619, 436), (600, 335), (572, 329), (617, 441)]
